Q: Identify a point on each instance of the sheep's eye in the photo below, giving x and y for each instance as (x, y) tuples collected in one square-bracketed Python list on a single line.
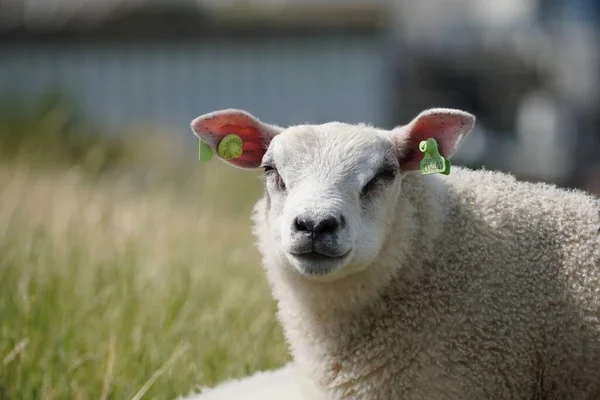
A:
[(271, 171), (385, 175)]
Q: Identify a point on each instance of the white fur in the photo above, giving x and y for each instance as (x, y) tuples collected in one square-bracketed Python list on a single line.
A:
[(466, 286), (324, 175), (264, 385)]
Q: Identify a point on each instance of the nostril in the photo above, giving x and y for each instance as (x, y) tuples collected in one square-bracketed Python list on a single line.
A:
[(328, 225), (303, 225), (342, 221)]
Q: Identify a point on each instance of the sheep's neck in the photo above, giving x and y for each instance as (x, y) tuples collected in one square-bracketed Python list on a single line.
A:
[(317, 316)]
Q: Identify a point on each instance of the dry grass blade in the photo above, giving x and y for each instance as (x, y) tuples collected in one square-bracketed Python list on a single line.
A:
[(109, 368), (18, 349), (157, 374)]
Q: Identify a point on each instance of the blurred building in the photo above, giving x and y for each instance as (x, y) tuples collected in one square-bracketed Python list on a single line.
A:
[(529, 69), (164, 63)]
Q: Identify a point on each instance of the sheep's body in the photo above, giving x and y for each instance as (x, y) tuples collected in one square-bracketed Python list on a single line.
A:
[(264, 385), (486, 288), (395, 285)]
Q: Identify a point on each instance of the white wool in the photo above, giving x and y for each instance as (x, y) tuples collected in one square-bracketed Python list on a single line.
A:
[(468, 286), (499, 296), (263, 385)]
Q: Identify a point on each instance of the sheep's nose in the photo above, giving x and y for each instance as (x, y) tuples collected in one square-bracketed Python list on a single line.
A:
[(314, 226)]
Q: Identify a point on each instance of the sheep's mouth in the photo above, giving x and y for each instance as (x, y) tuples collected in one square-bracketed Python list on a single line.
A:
[(318, 257), (315, 263)]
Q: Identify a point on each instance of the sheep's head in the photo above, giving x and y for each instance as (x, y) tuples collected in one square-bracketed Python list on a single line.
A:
[(331, 189)]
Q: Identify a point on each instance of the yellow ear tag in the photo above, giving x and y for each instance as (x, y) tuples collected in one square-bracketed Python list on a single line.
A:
[(230, 147)]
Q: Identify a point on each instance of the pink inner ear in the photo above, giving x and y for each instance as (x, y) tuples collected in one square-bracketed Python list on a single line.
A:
[(255, 136), (446, 128)]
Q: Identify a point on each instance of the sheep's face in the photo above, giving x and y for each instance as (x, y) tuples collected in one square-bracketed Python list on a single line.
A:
[(330, 190)]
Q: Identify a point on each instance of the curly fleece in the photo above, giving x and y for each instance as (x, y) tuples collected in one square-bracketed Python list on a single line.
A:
[(486, 288)]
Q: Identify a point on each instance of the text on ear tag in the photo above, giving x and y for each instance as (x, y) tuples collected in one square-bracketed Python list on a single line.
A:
[(432, 162), (230, 147)]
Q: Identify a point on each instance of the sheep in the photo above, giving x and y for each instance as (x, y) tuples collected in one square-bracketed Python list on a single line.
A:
[(392, 284), (263, 385)]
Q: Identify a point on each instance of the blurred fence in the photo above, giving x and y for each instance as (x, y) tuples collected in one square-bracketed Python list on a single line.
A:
[(282, 77)]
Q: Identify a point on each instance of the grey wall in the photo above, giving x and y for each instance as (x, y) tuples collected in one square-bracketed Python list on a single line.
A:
[(293, 80)]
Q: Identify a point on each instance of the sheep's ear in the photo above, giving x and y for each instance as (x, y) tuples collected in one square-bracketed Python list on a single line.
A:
[(256, 135), (447, 126)]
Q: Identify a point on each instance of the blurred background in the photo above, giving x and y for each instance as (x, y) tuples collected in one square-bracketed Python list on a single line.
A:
[(528, 69), (127, 269)]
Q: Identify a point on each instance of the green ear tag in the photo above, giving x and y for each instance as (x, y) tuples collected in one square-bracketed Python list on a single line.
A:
[(230, 147), (433, 162), (204, 152)]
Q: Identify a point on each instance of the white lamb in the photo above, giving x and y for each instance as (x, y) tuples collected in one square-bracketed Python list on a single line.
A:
[(396, 285)]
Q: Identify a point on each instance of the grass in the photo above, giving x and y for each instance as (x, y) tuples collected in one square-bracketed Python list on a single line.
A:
[(112, 289)]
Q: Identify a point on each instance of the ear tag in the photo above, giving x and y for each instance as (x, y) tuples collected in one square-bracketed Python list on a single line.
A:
[(204, 152), (230, 147), (433, 162)]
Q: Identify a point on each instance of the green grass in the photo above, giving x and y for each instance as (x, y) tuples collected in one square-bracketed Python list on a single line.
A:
[(111, 288)]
